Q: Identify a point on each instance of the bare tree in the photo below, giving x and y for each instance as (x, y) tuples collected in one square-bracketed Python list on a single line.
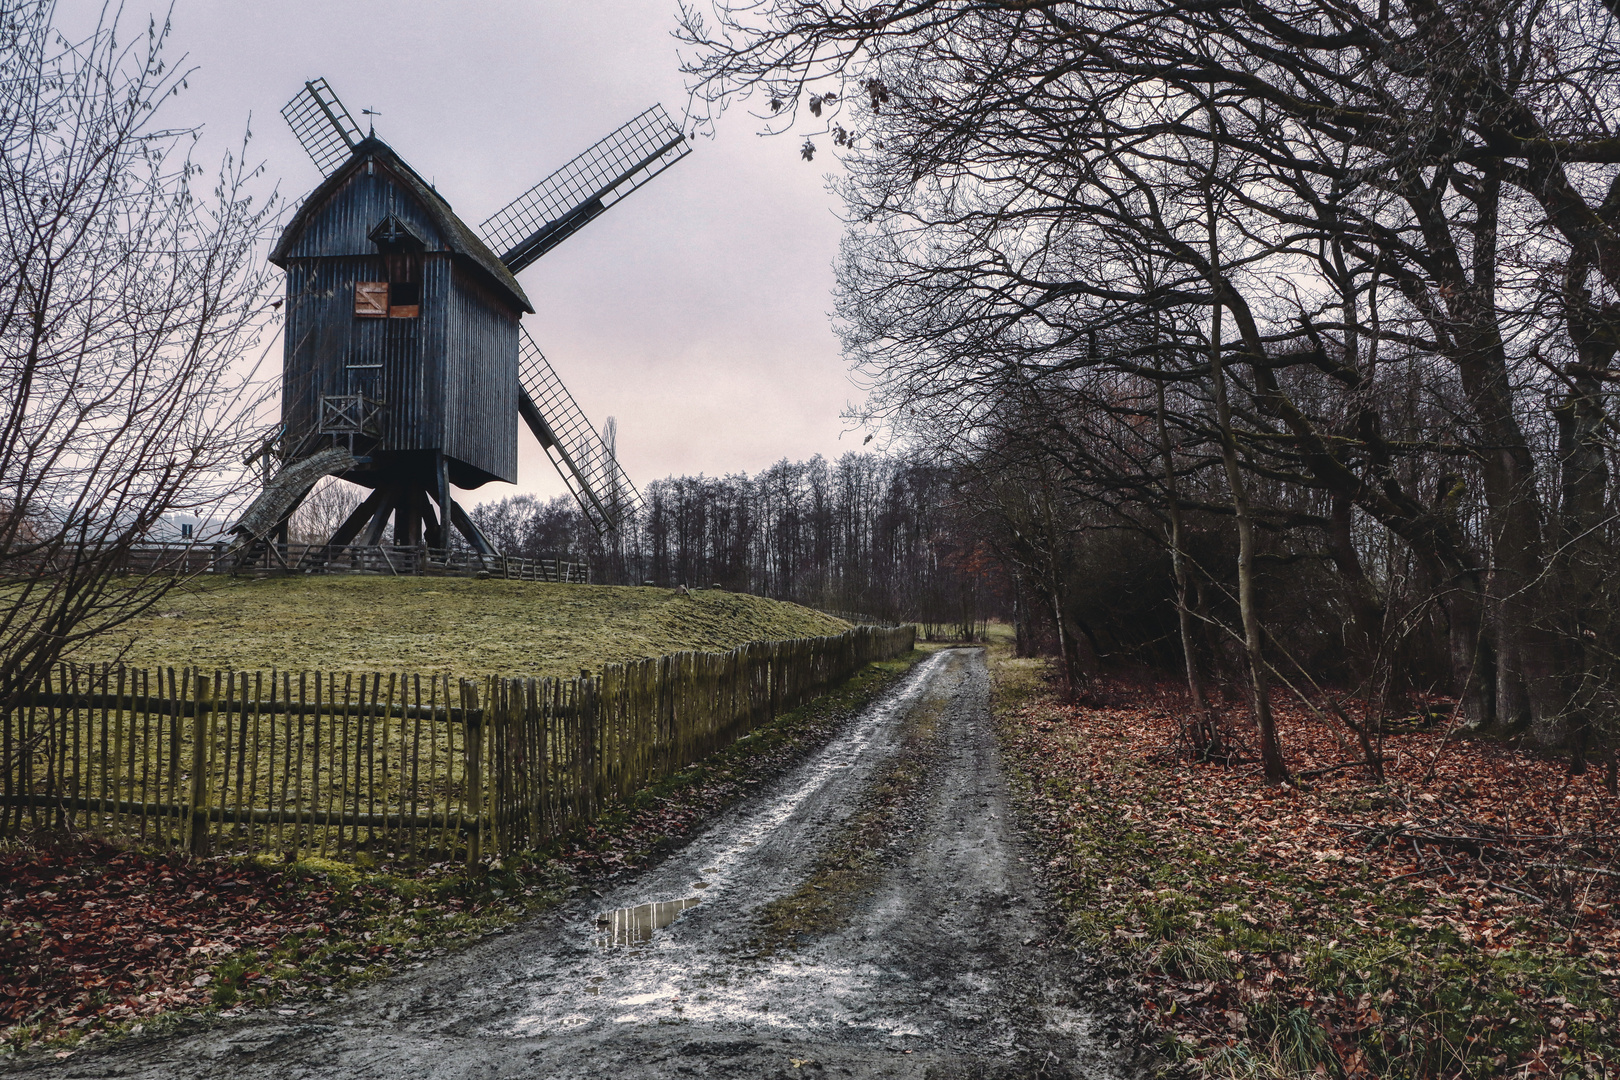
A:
[(129, 299), (326, 507), (1413, 195)]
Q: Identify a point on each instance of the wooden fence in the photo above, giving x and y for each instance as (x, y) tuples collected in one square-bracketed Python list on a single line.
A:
[(398, 765), (385, 559)]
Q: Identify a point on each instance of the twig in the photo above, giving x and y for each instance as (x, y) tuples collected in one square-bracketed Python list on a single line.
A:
[(1336, 768), (1498, 840), (1577, 869), (1414, 873), (1456, 711), (1517, 892)]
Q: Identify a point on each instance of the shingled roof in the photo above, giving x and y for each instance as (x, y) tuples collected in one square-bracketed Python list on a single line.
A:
[(457, 235)]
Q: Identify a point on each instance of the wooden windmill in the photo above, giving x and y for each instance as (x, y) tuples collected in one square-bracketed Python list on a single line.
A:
[(406, 367)]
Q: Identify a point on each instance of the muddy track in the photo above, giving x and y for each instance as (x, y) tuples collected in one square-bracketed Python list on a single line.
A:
[(870, 914)]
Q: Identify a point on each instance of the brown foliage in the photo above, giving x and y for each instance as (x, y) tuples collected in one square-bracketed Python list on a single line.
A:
[(1459, 916)]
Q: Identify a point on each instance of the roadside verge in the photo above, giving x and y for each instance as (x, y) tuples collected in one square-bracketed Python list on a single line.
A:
[(1454, 920)]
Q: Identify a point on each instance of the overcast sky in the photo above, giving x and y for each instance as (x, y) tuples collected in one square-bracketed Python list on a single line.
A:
[(696, 312)]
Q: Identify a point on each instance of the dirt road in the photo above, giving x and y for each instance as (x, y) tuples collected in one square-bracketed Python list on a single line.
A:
[(870, 914)]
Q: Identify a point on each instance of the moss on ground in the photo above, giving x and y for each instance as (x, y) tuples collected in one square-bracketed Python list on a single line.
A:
[(468, 627), (854, 861)]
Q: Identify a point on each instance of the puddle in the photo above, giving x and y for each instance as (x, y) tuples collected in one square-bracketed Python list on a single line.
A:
[(700, 884), (635, 925), (570, 991)]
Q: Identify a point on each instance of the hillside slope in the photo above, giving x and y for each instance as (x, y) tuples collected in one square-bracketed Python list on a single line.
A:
[(467, 627)]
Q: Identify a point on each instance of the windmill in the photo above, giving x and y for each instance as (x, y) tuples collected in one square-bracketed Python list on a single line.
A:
[(406, 368)]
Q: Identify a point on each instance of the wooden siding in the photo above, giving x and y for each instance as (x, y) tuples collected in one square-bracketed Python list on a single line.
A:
[(340, 226), (448, 378), (481, 354), (324, 338)]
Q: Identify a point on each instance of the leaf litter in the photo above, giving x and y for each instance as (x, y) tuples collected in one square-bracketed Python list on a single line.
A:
[(1456, 919)]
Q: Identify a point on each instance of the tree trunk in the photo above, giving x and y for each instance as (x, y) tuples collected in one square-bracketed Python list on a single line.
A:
[(1513, 512), (1023, 637), (1203, 734), (1248, 607), (1581, 555)]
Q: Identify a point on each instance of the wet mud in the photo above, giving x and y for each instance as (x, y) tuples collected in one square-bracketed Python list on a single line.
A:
[(872, 913)]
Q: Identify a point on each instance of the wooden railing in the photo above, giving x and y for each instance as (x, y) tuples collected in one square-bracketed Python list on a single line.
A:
[(218, 558), (398, 765), (856, 618)]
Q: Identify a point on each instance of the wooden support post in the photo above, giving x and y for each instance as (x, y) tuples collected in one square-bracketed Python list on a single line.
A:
[(441, 495), (362, 516), (379, 521), (474, 535), (408, 516)]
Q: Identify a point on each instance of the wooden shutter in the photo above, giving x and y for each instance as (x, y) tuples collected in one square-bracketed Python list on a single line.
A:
[(371, 299)]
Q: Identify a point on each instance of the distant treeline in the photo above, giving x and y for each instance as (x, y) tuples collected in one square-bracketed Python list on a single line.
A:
[(868, 534)]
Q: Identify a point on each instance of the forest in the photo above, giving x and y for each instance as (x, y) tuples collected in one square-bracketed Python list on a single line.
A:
[(870, 534), (1276, 345), (1294, 325)]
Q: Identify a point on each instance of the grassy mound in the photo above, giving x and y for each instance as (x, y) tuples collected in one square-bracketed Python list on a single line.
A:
[(467, 627)]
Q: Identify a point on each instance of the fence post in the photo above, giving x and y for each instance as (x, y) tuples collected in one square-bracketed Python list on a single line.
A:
[(474, 733), (590, 728), (202, 703)]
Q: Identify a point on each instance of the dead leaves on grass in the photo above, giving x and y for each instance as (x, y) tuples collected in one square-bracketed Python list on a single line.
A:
[(1459, 916), (98, 934)]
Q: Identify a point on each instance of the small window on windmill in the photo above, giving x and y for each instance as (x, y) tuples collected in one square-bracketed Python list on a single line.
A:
[(400, 297), (405, 297)]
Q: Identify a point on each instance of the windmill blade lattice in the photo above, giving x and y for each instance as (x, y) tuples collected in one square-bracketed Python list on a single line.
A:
[(586, 463), (323, 126), (558, 206)]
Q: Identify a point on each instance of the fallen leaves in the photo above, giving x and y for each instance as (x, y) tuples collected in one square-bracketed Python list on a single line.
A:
[(93, 933), (1459, 913)]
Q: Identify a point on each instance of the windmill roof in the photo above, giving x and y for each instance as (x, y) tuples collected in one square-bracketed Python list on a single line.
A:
[(457, 234)]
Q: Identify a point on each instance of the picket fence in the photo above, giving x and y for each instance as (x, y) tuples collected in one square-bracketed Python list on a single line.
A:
[(396, 765), (186, 558)]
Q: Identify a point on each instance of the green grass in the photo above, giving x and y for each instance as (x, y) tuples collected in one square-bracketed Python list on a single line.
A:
[(469, 627)]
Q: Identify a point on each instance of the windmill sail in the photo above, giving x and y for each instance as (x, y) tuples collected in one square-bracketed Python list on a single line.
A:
[(558, 206), (323, 126), (587, 464)]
